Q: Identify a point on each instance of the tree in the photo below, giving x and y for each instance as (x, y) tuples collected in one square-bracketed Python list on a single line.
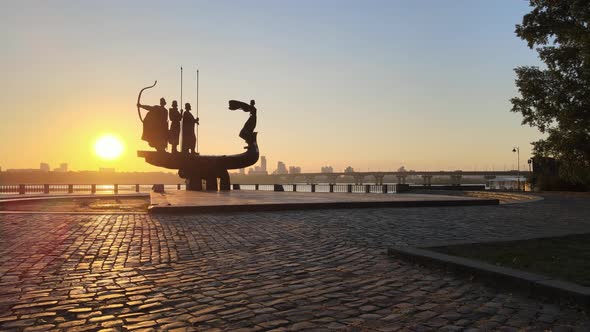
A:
[(556, 98)]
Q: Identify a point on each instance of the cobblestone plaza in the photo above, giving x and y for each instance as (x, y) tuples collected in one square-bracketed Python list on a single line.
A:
[(290, 270)]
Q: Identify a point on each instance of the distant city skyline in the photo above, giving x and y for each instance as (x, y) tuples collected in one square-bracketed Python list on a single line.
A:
[(260, 168), (372, 85)]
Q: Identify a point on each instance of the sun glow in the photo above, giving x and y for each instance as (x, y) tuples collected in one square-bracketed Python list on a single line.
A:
[(108, 147)]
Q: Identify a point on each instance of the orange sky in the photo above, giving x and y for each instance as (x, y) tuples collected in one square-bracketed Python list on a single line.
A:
[(357, 84)]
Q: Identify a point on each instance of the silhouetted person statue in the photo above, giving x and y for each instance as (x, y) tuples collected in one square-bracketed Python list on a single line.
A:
[(155, 125), (247, 132), (189, 140), (174, 133)]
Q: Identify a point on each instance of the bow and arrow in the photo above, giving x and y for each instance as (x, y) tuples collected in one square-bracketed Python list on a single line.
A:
[(139, 98)]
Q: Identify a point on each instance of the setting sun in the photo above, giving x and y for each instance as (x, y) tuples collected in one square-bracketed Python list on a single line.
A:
[(108, 147)]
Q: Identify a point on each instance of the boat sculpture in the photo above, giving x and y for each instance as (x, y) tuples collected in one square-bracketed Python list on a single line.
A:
[(195, 168)]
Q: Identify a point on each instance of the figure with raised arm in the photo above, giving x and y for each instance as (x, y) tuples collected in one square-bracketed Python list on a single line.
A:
[(155, 125), (174, 133), (189, 140)]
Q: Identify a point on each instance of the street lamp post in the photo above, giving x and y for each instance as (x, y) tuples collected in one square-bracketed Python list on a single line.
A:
[(517, 150), (531, 178)]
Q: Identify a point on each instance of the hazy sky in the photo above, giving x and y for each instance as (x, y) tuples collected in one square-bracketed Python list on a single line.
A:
[(371, 84)]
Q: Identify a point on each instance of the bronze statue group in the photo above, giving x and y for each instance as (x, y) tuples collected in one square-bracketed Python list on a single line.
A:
[(157, 133)]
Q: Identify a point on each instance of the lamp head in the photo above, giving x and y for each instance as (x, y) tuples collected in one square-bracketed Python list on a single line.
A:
[(513, 149)]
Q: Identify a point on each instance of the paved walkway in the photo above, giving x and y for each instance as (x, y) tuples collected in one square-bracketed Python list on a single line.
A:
[(295, 270)]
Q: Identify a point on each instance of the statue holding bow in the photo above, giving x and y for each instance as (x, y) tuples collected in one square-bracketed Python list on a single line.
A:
[(155, 123)]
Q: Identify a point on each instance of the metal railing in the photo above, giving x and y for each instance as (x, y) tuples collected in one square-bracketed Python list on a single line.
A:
[(24, 189), (327, 188)]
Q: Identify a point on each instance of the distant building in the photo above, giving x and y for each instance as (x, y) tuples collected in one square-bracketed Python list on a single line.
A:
[(63, 168), (259, 169), (263, 163), (44, 167), (22, 170), (281, 168), (327, 169), (242, 171), (294, 170), (349, 170), (106, 170)]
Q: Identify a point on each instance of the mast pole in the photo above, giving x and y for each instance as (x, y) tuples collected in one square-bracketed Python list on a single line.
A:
[(181, 87), (198, 111), (181, 107)]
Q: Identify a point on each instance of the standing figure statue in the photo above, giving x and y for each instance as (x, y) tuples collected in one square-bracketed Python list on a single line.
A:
[(174, 133), (247, 133), (189, 140), (155, 125)]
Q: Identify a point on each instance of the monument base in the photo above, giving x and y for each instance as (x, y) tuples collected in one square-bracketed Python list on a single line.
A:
[(196, 169), (212, 182), (237, 201)]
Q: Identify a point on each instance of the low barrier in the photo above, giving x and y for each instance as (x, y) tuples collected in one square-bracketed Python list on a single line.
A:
[(327, 188), (23, 189)]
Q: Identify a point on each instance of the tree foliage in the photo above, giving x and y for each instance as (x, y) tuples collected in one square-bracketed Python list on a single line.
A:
[(556, 97)]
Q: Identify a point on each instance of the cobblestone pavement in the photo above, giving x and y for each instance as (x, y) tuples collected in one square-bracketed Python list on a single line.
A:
[(298, 270)]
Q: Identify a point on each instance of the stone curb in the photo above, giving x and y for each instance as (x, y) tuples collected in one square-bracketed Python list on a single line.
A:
[(70, 196), (314, 206), (530, 283), (6, 202), (87, 213), (531, 200)]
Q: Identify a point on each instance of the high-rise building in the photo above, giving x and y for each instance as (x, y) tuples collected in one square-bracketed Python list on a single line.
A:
[(263, 163), (259, 169), (44, 167), (349, 170), (281, 168), (294, 170)]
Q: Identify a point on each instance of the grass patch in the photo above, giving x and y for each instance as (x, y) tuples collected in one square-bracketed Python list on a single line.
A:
[(565, 257)]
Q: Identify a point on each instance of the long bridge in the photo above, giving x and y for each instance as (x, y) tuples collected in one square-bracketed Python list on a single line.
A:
[(377, 177)]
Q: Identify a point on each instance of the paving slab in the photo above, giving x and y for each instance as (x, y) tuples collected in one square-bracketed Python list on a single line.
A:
[(234, 201), (286, 270), (283, 270)]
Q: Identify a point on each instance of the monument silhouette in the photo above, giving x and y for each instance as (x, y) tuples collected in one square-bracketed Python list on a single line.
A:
[(174, 133), (189, 139), (192, 167)]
